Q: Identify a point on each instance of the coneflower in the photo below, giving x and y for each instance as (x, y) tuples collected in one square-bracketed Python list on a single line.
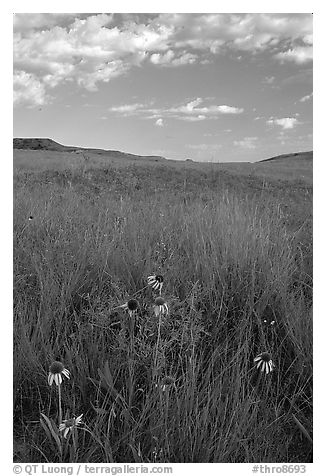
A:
[(264, 362), (156, 282), (69, 425), (56, 371), (160, 306), (166, 382), (131, 306), (271, 323)]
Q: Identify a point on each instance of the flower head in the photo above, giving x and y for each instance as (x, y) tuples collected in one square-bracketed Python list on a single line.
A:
[(56, 371), (264, 362), (30, 218), (271, 323), (67, 425), (160, 306), (156, 281), (131, 306), (167, 382)]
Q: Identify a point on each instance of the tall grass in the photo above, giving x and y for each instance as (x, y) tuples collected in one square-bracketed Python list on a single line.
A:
[(230, 266)]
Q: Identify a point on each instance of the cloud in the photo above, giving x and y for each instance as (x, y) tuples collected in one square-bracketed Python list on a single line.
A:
[(246, 143), (284, 122), (307, 39), (191, 108), (162, 58), (24, 22), (186, 58), (306, 98), (28, 90), (127, 109), (87, 51), (242, 32), (90, 49), (299, 55), (269, 79), (192, 111), (229, 109), (192, 118), (170, 59), (159, 122)]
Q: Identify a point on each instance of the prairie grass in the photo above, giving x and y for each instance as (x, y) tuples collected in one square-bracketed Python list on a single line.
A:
[(233, 261)]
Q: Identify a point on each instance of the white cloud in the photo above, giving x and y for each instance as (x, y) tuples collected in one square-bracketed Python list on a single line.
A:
[(307, 39), (246, 143), (229, 109), (192, 118), (243, 32), (159, 122), (36, 21), (165, 58), (186, 58), (89, 49), (127, 109), (284, 122), (269, 80), (170, 59), (192, 111), (192, 104), (28, 90), (299, 55), (306, 98), (191, 108)]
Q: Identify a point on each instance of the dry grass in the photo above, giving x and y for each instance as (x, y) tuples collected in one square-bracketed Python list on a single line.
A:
[(232, 255)]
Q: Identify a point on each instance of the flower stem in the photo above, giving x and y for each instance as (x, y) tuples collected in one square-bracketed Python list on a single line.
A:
[(157, 345), (60, 409)]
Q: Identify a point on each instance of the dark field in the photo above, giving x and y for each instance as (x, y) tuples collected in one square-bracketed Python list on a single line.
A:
[(234, 245)]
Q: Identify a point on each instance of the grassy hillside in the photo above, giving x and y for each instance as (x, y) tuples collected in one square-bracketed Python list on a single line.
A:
[(297, 156), (233, 243), (50, 145)]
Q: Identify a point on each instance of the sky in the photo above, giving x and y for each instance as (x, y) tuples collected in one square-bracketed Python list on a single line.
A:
[(211, 87)]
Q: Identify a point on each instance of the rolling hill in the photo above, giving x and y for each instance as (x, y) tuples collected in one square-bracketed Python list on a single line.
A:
[(51, 145), (298, 156)]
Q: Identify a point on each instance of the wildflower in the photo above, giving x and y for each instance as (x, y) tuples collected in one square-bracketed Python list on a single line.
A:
[(166, 383), (264, 362), (160, 306), (56, 371), (156, 281), (157, 452), (132, 306), (271, 323), (67, 425)]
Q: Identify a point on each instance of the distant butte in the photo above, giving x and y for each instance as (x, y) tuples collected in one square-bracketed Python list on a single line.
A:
[(49, 144)]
